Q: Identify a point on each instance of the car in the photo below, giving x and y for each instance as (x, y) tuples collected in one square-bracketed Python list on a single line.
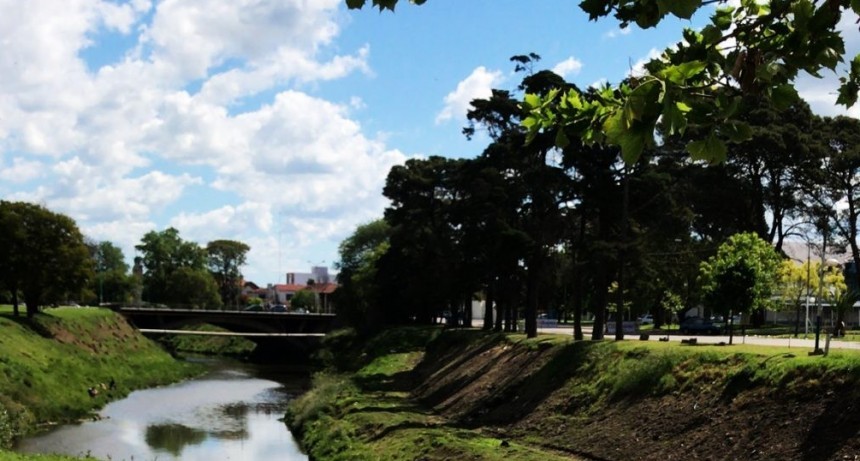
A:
[(699, 325), (254, 308), (301, 310), (646, 319), (279, 308)]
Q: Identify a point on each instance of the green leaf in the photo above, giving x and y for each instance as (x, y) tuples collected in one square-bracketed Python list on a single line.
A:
[(711, 34), (632, 139), (784, 96), (848, 94), (531, 101), (722, 18), (355, 4), (710, 149), (736, 131), (674, 118), (641, 102), (855, 5), (680, 73), (683, 9)]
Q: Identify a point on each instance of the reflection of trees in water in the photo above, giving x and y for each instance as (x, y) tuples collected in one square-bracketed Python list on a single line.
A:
[(227, 422), (173, 438)]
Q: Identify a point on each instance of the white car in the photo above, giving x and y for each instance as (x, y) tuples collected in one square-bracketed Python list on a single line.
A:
[(646, 319)]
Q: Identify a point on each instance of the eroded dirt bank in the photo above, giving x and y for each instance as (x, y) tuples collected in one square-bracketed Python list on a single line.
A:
[(637, 401)]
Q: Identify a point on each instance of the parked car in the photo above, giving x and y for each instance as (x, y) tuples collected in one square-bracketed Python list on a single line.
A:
[(254, 308), (279, 308), (646, 319), (699, 325)]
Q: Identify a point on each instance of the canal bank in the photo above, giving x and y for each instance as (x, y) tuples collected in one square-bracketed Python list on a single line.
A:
[(65, 363), (484, 396)]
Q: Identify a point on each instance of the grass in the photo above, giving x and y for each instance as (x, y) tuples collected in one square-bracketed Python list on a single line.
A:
[(48, 363), (368, 414), (341, 419), (233, 346), (9, 456)]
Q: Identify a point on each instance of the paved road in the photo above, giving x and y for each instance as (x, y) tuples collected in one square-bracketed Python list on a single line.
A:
[(756, 340)]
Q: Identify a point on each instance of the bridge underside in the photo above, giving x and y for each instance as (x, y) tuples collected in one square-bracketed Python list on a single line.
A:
[(279, 337)]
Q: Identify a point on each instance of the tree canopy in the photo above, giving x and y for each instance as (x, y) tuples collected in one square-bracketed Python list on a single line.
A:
[(225, 259), (43, 255), (754, 48), (742, 276)]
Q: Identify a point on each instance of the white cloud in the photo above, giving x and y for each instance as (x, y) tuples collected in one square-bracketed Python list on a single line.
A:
[(21, 170), (599, 83), (638, 68), (615, 33), (568, 68), (478, 84)]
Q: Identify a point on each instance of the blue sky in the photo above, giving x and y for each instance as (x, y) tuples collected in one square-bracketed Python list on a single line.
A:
[(269, 122)]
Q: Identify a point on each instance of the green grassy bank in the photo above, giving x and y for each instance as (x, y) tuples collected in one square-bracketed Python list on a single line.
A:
[(48, 363), (471, 395), (228, 346)]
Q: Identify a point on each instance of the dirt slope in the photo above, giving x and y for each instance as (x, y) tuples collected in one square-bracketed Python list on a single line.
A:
[(636, 403)]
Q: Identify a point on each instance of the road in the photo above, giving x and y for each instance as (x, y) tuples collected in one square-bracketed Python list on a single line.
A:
[(754, 340)]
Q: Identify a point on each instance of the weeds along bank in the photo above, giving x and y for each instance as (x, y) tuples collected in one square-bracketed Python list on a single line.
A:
[(49, 363), (471, 395)]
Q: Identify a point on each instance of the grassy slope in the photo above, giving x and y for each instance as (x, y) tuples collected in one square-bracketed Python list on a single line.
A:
[(47, 365), (551, 394), (368, 415), (233, 346)]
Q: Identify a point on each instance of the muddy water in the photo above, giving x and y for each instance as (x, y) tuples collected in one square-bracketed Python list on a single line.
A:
[(231, 413)]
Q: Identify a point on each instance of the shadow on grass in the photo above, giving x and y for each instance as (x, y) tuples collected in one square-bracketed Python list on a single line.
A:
[(403, 381)]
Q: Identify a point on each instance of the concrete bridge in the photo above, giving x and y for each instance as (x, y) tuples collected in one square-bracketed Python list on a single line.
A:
[(273, 332)]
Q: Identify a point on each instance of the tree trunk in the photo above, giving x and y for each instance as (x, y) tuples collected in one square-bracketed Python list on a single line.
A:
[(488, 307), (15, 311), (467, 312), (532, 290), (600, 287)]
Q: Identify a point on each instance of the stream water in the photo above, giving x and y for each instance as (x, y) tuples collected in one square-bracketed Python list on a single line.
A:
[(231, 413)]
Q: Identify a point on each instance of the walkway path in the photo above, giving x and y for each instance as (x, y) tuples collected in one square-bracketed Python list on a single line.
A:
[(755, 340)]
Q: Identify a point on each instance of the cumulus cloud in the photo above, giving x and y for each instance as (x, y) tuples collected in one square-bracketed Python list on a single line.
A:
[(568, 68), (615, 33), (121, 146), (638, 68), (478, 84)]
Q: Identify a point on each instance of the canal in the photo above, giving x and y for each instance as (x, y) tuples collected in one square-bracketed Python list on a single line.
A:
[(232, 412)]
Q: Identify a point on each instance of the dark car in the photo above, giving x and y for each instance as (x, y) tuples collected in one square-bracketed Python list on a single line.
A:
[(279, 308), (699, 325), (254, 308)]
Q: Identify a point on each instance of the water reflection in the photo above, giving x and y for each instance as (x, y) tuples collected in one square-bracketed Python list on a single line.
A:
[(172, 438), (228, 414)]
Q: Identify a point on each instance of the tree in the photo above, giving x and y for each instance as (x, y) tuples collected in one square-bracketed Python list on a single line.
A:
[(741, 277), (358, 295), (192, 288), (225, 259), (162, 255), (836, 188), (44, 255), (755, 48), (112, 281), (303, 299)]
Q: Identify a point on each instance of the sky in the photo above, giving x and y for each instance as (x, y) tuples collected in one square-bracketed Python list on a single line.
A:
[(272, 122)]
